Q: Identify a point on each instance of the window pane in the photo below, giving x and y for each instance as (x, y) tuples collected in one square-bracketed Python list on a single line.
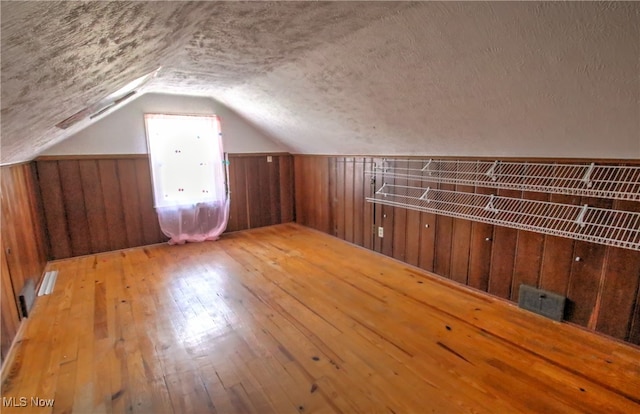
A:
[(186, 159)]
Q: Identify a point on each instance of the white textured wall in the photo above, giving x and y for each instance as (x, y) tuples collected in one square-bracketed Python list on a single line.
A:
[(123, 132)]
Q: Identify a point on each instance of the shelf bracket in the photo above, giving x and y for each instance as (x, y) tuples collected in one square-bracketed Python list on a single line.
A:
[(381, 190), (426, 167), (490, 207), (586, 179), (425, 195), (383, 166), (491, 172), (580, 220)]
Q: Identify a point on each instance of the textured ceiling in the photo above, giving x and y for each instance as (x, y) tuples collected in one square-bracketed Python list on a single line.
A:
[(485, 79)]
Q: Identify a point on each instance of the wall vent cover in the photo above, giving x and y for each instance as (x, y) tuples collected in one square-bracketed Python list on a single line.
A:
[(108, 102), (542, 302), (27, 297)]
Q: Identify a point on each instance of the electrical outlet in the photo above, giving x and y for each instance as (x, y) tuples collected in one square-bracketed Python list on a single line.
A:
[(380, 232), (269, 158)]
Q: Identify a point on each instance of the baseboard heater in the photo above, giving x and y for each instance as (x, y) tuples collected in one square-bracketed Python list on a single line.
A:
[(542, 302), (48, 283)]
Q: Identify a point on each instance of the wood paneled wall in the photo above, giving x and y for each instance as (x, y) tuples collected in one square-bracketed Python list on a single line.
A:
[(100, 204), (603, 286), (9, 318), (97, 205), (23, 247), (261, 190), (311, 176)]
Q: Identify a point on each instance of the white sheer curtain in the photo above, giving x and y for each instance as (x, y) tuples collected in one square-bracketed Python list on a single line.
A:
[(188, 173)]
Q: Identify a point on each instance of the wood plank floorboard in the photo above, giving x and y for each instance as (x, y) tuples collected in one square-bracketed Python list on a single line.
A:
[(285, 319)]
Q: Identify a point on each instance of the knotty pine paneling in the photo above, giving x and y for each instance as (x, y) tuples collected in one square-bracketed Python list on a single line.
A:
[(312, 192), (151, 231), (349, 196), (377, 209), (339, 199), (461, 245), (412, 237), (528, 259), (114, 213), (586, 278), (359, 200), (104, 204), (427, 241), (557, 256), (503, 255), (238, 216), (634, 331), (443, 240), (74, 207), (399, 226), (261, 191), (22, 230), (94, 205), (8, 310), (367, 209), (480, 251), (621, 279), (97, 205), (287, 213), (24, 252), (50, 186), (388, 216), (603, 287)]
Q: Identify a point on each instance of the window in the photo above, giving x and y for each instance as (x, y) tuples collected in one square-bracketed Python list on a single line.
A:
[(186, 159)]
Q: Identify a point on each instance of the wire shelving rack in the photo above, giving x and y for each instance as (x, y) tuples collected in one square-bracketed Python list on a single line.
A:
[(598, 225), (605, 181)]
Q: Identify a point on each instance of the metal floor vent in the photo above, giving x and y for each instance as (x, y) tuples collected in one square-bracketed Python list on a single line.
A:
[(542, 302), (48, 282), (27, 297)]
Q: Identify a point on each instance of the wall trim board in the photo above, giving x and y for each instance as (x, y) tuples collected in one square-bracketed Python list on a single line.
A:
[(136, 156), (257, 154), (280, 153), (16, 164), (630, 161), (92, 157)]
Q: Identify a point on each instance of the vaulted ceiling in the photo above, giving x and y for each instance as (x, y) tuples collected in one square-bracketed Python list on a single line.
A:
[(479, 79)]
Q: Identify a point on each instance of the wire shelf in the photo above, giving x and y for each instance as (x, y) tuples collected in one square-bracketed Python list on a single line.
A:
[(606, 181), (604, 226)]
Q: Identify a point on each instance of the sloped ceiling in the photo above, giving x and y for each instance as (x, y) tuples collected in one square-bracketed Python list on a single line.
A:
[(479, 79)]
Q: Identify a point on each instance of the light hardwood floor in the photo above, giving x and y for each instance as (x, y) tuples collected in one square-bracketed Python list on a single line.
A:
[(285, 319)]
